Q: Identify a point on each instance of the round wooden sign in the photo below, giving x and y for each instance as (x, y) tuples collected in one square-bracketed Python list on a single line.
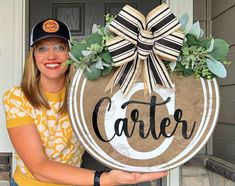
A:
[(142, 133)]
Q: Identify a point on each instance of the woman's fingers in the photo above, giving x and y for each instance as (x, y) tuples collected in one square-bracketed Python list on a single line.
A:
[(121, 177), (151, 176)]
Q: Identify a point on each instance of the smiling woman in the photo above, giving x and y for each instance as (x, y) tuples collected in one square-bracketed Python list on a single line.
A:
[(47, 151), (50, 56)]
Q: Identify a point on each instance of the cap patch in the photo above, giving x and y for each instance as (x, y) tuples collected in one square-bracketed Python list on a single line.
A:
[(50, 26)]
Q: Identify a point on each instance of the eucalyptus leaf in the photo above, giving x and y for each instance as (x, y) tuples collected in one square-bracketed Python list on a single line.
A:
[(76, 50), (99, 64), (195, 30), (94, 74), (99, 31), (201, 33), (94, 38), (184, 21), (216, 67), (107, 32), (220, 49), (96, 48), (86, 52), (106, 70), (192, 40), (185, 71), (88, 69), (73, 58), (107, 57), (94, 28), (211, 47), (106, 65), (172, 65), (206, 43)]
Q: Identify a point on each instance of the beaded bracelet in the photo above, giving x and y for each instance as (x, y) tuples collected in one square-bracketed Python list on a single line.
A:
[(97, 178)]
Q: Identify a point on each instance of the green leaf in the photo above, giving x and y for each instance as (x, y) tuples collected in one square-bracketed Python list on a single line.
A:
[(216, 67), (184, 20), (86, 52), (94, 28), (195, 30), (106, 70), (192, 40), (107, 57), (99, 64), (205, 43), (77, 49), (183, 70), (211, 47), (96, 48), (172, 65), (94, 38), (94, 74), (220, 49)]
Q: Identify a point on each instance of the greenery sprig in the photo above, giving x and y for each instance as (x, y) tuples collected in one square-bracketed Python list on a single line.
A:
[(200, 56), (91, 54)]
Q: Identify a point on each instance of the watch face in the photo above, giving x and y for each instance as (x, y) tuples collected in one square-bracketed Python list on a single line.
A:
[(142, 132)]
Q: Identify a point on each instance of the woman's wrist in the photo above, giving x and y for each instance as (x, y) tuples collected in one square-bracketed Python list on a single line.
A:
[(104, 179)]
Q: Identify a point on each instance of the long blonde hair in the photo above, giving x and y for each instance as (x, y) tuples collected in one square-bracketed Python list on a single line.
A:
[(30, 84)]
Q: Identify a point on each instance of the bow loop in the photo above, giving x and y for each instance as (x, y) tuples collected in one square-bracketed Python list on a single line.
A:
[(121, 50), (128, 23), (161, 22), (139, 39)]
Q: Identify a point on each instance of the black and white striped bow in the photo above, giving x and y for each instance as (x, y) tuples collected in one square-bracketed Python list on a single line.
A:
[(144, 42)]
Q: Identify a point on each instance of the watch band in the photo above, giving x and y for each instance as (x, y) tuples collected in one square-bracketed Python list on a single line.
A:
[(97, 178)]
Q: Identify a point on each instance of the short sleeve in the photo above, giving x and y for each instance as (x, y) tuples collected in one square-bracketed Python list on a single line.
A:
[(17, 108)]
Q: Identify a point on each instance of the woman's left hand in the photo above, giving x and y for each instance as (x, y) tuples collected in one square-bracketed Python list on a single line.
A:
[(118, 177)]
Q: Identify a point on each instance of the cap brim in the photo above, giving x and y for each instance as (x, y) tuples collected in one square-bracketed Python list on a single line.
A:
[(48, 36)]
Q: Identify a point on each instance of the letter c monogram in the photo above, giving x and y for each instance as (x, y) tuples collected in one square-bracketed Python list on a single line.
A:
[(121, 144)]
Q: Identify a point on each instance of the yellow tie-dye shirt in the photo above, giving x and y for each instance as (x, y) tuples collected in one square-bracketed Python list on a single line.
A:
[(58, 140)]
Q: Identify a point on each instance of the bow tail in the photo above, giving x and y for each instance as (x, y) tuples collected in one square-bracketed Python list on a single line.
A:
[(125, 76), (148, 80), (156, 73), (114, 80)]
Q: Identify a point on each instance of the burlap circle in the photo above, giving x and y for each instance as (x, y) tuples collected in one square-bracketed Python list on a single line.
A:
[(134, 146)]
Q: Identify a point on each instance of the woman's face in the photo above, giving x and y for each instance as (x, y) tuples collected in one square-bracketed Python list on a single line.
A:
[(50, 56)]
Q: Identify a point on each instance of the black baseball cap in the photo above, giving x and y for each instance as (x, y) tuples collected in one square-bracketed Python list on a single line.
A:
[(49, 28)]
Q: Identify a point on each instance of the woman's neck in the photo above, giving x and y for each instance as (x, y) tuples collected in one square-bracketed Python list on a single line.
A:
[(52, 85)]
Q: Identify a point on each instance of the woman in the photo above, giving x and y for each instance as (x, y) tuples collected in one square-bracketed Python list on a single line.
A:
[(47, 151)]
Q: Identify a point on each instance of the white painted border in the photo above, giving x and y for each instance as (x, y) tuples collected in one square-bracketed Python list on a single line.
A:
[(93, 148)]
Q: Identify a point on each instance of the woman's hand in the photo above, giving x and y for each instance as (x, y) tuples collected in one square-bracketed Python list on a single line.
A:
[(117, 177)]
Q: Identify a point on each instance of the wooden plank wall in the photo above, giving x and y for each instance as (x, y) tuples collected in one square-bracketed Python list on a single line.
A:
[(223, 26)]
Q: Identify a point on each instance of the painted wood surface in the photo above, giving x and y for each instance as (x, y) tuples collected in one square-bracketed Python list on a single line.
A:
[(223, 26), (224, 142), (218, 6)]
